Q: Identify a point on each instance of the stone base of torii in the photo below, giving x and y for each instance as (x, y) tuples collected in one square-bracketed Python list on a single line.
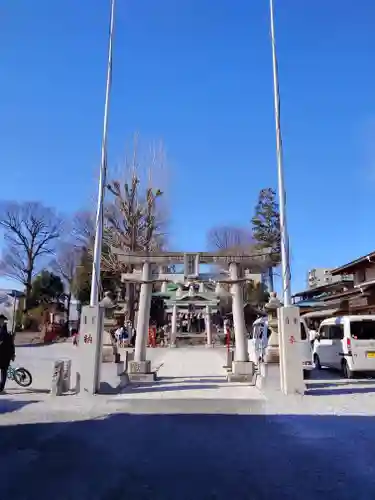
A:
[(139, 368)]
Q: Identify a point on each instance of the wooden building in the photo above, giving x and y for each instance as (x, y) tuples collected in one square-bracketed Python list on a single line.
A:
[(361, 298), (323, 297)]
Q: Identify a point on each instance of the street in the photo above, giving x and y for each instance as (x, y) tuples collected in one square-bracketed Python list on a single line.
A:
[(189, 435), (197, 456)]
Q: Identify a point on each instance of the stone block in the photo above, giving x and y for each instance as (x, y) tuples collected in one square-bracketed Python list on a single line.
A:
[(108, 355), (77, 388), (140, 371), (139, 366), (272, 354), (57, 378), (242, 371), (66, 374), (142, 377), (243, 367)]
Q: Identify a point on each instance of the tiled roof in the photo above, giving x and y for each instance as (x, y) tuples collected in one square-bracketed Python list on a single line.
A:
[(370, 257)]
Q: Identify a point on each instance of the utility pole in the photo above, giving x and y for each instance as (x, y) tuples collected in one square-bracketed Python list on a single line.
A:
[(285, 260), (95, 281)]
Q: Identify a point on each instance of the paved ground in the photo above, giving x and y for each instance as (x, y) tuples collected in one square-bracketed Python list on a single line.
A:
[(25, 338), (193, 373), (251, 446)]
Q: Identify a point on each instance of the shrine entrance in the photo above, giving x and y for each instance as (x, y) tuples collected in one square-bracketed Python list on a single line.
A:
[(195, 300)]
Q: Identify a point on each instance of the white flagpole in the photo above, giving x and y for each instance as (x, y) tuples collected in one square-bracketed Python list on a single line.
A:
[(285, 264), (95, 282)]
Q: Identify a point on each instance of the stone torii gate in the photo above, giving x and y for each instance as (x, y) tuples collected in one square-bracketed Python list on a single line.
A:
[(140, 367)]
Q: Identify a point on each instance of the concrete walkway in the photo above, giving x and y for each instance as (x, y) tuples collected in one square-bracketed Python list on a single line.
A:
[(190, 373)]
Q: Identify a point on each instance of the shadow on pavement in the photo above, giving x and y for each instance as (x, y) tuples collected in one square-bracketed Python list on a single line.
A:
[(24, 390), (340, 391), (193, 379), (36, 344), (185, 457), (169, 388), (340, 383), (10, 405)]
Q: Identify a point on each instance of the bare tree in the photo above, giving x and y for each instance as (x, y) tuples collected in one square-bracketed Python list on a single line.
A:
[(136, 213), (229, 238), (83, 229), (135, 216), (132, 224), (30, 231), (68, 258)]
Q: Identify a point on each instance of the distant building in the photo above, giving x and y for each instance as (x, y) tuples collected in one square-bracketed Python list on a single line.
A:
[(9, 300), (322, 276)]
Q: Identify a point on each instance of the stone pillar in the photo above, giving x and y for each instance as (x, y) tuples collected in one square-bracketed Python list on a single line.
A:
[(143, 315), (139, 369), (172, 340), (241, 353), (208, 326), (242, 368), (164, 286), (273, 349), (201, 287)]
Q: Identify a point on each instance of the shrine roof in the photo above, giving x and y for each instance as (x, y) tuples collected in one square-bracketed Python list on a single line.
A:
[(197, 297)]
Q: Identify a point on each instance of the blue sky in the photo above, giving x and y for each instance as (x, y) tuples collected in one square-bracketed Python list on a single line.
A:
[(198, 75)]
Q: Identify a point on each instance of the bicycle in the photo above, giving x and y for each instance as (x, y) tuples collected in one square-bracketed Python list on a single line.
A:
[(20, 375)]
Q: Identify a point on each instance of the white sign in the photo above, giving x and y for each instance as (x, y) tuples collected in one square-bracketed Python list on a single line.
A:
[(291, 345), (90, 348)]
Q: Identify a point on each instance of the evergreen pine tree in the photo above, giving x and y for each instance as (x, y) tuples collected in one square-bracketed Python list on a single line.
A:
[(266, 227)]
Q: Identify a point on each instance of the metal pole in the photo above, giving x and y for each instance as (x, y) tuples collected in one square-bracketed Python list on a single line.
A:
[(95, 281), (285, 265), (14, 293)]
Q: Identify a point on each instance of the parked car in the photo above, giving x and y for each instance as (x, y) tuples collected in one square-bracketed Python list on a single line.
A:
[(346, 343), (258, 341)]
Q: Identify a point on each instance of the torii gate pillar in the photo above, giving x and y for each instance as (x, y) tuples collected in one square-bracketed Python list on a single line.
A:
[(140, 367)]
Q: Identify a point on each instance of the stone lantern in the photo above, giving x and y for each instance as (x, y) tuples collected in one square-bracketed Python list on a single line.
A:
[(179, 291), (108, 303), (273, 348), (109, 322)]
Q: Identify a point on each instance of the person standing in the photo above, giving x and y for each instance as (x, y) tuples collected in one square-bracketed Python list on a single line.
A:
[(7, 351)]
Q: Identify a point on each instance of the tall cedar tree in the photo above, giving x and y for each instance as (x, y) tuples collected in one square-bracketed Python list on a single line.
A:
[(266, 227)]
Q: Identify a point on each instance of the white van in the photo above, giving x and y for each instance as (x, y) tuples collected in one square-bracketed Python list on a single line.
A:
[(258, 341), (346, 343)]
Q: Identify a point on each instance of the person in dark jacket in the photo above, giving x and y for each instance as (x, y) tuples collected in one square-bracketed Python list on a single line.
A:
[(7, 351)]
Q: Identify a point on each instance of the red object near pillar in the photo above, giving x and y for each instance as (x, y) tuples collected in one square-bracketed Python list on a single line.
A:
[(152, 337)]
